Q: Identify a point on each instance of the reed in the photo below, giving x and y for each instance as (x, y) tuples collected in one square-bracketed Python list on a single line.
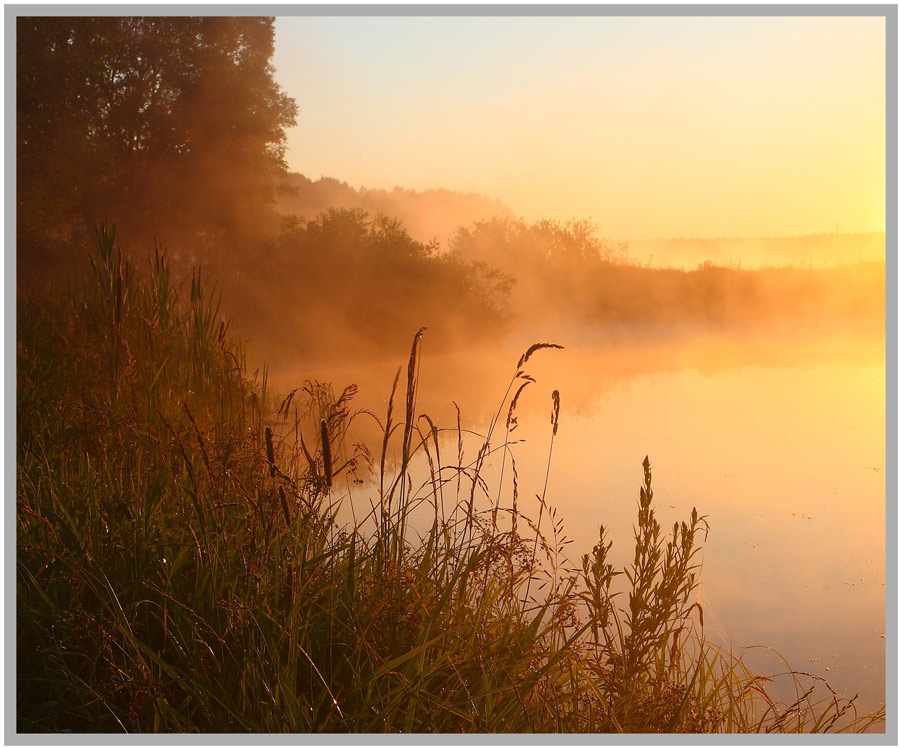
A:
[(183, 563)]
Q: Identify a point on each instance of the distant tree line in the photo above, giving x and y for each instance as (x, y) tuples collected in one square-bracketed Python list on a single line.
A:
[(426, 214), (567, 274), (174, 128), (348, 277)]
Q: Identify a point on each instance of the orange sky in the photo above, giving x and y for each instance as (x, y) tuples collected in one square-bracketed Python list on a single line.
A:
[(648, 126)]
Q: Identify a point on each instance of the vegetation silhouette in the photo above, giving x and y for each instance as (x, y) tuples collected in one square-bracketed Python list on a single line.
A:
[(174, 125), (427, 215), (362, 285), (565, 273), (182, 565), (182, 561)]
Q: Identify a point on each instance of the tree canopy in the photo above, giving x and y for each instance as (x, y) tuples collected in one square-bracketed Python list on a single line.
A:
[(169, 125)]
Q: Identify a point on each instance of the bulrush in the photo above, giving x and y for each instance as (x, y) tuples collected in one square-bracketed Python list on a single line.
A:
[(270, 452)]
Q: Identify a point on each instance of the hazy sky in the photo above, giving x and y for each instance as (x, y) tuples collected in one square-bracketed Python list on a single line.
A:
[(648, 126)]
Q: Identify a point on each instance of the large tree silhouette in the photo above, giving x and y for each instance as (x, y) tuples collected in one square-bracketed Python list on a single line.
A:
[(169, 125)]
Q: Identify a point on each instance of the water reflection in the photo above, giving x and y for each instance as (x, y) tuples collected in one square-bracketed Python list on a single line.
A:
[(778, 440)]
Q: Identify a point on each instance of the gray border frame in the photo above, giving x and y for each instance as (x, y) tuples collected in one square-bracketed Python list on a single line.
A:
[(887, 11)]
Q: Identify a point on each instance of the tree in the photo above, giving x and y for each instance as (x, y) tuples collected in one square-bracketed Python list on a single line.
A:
[(168, 125)]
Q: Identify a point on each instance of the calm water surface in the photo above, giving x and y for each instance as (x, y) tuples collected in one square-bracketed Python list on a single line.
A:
[(779, 441)]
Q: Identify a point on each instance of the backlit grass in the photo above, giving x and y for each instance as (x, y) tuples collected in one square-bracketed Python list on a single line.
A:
[(183, 562)]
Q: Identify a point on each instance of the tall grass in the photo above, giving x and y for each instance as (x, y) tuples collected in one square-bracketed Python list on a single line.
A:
[(183, 561)]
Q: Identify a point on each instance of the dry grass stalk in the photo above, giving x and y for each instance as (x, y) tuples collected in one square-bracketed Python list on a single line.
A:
[(326, 452)]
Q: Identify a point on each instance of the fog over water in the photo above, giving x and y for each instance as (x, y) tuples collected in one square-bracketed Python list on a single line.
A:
[(681, 220), (775, 435)]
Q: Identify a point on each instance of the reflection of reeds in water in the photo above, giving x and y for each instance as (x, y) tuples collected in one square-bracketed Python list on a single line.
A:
[(180, 566)]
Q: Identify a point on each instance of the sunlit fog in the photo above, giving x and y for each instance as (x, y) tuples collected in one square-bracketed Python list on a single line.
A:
[(451, 374)]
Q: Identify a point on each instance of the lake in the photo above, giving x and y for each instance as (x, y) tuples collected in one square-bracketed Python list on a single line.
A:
[(776, 436)]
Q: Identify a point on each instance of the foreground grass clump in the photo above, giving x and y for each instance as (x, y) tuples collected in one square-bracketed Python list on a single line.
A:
[(181, 566)]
